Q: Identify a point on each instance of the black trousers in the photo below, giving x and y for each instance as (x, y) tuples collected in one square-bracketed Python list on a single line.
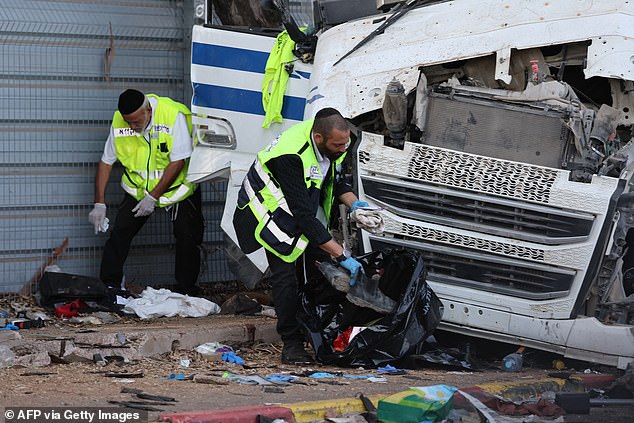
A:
[(285, 278), (285, 298), (188, 227)]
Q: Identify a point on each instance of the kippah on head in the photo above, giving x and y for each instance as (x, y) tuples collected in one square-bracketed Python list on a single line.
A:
[(130, 100), (327, 112), (328, 119)]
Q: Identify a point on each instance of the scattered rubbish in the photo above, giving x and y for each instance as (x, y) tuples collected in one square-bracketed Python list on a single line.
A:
[(231, 358), (272, 389), (265, 419), (447, 358), (151, 397), (211, 379), (241, 304), (212, 351), (281, 379), (513, 362), (358, 376), (37, 374), (623, 386), (6, 356), (428, 403), (144, 395), (540, 407), (366, 293), (71, 309), (57, 288), (28, 324), (99, 359), (50, 261), (527, 411), (391, 370), (185, 362), (369, 415), (333, 382), (131, 404), (121, 338), (559, 365), (123, 375), (10, 326), (379, 379), (487, 414), (268, 311), (91, 320), (390, 336), (250, 379), (178, 376), (165, 303), (580, 402), (321, 375)]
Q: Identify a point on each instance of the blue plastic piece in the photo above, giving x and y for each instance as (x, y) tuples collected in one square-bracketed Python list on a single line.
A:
[(231, 358)]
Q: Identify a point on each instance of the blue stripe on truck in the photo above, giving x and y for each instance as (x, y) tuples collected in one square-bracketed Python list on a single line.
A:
[(244, 101), (229, 57)]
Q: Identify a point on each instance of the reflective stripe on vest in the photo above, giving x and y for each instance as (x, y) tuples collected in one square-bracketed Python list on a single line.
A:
[(145, 162), (276, 229)]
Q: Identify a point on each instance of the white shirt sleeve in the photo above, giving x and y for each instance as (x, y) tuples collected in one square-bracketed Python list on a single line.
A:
[(182, 142), (109, 155)]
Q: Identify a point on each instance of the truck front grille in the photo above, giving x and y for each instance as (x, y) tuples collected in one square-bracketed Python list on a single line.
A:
[(542, 224), (486, 272)]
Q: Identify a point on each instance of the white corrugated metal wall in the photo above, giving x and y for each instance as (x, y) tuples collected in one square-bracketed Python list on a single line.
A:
[(63, 64)]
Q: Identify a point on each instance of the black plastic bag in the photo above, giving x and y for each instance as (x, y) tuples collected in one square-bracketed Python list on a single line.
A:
[(386, 338), (62, 288)]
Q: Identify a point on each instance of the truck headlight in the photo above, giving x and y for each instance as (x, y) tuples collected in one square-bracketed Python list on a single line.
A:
[(213, 132)]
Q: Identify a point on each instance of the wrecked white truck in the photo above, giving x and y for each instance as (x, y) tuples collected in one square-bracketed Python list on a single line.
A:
[(496, 135)]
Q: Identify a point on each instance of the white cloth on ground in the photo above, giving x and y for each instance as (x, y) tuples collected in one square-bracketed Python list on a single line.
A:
[(165, 303)]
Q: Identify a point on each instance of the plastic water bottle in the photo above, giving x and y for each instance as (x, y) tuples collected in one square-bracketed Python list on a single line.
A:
[(513, 362)]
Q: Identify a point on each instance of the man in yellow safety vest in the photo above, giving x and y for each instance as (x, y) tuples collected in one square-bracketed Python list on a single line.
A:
[(151, 137), (284, 206)]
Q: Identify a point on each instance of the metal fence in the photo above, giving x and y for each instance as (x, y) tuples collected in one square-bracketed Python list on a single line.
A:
[(63, 64)]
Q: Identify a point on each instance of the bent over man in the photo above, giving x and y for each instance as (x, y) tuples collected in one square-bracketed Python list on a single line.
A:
[(284, 205), (151, 137)]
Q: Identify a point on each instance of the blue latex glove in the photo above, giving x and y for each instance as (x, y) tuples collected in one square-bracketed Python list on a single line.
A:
[(231, 358), (10, 326), (352, 266), (357, 204)]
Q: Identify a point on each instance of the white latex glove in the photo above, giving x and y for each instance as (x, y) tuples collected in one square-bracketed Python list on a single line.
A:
[(368, 218), (97, 217), (145, 207)]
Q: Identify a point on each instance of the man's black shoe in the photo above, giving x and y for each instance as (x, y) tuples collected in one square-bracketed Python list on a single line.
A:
[(294, 353)]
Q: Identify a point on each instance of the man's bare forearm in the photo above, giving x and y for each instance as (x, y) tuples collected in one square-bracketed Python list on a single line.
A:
[(169, 175), (101, 181)]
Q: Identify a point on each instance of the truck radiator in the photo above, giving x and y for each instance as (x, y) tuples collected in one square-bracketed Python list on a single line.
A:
[(498, 129)]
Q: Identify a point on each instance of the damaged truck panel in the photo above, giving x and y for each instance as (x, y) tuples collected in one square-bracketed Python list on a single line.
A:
[(497, 137), (445, 33)]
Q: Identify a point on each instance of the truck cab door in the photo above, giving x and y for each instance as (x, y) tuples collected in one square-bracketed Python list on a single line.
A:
[(227, 71)]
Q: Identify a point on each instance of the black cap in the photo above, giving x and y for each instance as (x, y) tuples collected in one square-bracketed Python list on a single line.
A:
[(130, 100)]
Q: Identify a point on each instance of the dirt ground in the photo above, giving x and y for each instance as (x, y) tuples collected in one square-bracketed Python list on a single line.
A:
[(88, 384)]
